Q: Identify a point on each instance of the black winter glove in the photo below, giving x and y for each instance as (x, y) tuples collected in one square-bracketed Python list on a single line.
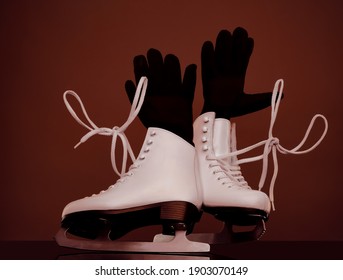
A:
[(223, 76), (169, 99)]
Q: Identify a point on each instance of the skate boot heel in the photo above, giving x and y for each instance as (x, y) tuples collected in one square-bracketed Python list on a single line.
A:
[(177, 210), (178, 215)]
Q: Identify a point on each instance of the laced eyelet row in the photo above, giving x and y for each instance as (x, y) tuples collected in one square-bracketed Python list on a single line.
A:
[(205, 148), (229, 180)]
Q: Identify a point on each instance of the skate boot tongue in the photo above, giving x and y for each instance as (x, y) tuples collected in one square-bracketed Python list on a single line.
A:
[(221, 137)]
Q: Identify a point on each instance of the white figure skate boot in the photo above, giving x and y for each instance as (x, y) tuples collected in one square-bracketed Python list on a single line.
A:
[(158, 189), (226, 194)]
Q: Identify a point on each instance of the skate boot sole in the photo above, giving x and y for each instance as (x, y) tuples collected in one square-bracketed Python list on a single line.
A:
[(172, 216)]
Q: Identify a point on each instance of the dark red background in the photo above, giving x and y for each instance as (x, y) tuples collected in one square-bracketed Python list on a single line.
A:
[(88, 46)]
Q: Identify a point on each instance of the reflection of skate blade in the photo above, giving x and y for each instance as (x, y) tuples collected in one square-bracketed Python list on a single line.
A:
[(238, 215), (177, 243), (133, 256)]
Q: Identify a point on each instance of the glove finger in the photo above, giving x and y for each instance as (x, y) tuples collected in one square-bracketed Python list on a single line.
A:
[(189, 81), (245, 57), (242, 50), (223, 51), (208, 64), (249, 103), (172, 74), (130, 89), (155, 61), (140, 66)]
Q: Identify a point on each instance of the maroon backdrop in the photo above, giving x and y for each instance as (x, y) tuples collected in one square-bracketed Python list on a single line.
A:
[(50, 46)]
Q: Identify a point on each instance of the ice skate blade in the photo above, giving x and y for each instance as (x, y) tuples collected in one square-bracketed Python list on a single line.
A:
[(227, 235), (177, 244), (92, 224), (237, 215)]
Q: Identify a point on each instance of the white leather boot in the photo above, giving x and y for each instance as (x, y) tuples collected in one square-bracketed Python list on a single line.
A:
[(226, 194), (158, 189)]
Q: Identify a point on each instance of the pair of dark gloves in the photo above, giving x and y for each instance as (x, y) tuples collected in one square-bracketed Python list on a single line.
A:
[(169, 98)]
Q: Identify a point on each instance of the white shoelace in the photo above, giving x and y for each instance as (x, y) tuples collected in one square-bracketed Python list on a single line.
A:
[(227, 165), (272, 144), (234, 166), (116, 131), (231, 174)]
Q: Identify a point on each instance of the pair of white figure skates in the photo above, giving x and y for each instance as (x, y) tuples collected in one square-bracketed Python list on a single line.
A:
[(171, 183)]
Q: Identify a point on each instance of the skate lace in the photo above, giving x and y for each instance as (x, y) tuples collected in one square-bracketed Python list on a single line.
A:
[(116, 131), (231, 171), (231, 175), (272, 144)]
